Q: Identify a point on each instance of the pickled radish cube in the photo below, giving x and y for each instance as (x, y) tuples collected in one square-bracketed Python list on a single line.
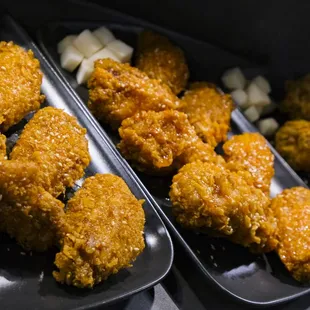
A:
[(102, 54), (256, 96), (104, 35), (70, 58), (65, 42), (234, 79), (240, 97), (121, 49), (85, 70), (87, 43), (263, 84), (268, 126), (252, 114)]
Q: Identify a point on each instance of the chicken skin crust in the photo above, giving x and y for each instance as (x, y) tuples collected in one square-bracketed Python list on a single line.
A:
[(27, 212), (2, 147), (118, 91), (20, 82), (292, 210), (162, 60), (57, 143), (208, 112), (293, 143), (104, 232), (210, 198), (297, 99), (250, 152)]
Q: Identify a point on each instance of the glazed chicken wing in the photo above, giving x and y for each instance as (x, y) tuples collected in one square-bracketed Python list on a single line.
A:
[(20, 82), (27, 212), (2, 147), (118, 91), (57, 143), (208, 111), (293, 143), (251, 152), (162, 60), (210, 198), (292, 210), (104, 232)]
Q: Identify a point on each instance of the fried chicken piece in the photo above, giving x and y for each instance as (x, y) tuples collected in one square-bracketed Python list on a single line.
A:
[(292, 210), (210, 198), (3, 147), (57, 143), (297, 99), (208, 111), (20, 82), (27, 212), (250, 152), (293, 143), (118, 91), (162, 60), (104, 232)]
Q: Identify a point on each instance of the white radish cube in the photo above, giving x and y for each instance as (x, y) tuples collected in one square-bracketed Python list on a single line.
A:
[(87, 43), (102, 54), (70, 58), (256, 96), (252, 114), (240, 97), (85, 70), (263, 84), (268, 126), (234, 79), (65, 42), (121, 49), (104, 35)]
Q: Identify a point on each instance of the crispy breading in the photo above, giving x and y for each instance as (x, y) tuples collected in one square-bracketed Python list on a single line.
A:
[(208, 111), (297, 98), (2, 147), (27, 212), (292, 210), (20, 82), (104, 232), (210, 198), (57, 143), (293, 143), (162, 60), (250, 152), (118, 91)]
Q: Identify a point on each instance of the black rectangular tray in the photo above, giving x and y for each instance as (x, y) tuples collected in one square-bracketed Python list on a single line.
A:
[(26, 280), (257, 280)]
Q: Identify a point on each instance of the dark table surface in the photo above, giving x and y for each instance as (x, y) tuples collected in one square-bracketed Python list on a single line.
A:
[(184, 287)]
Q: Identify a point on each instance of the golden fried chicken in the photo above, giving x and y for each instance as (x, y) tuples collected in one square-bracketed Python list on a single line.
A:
[(293, 143), (27, 212), (297, 99), (2, 147), (250, 152), (152, 140), (118, 91), (104, 232), (20, 82), (208, 111), (57, 143), (292, 211), (210, 198), (162, 60)]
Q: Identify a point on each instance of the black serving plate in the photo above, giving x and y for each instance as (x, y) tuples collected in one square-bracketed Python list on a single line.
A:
[(26, 280), (257, 280)]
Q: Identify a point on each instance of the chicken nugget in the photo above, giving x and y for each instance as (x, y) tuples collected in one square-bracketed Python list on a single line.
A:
[(27, 212), (104, 232), (20, 82), (3, 147), (251, 152), (212, 199), (293, 143), (162, 60), (208, 112), (118, 91), (292, 210), (57, 143)]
